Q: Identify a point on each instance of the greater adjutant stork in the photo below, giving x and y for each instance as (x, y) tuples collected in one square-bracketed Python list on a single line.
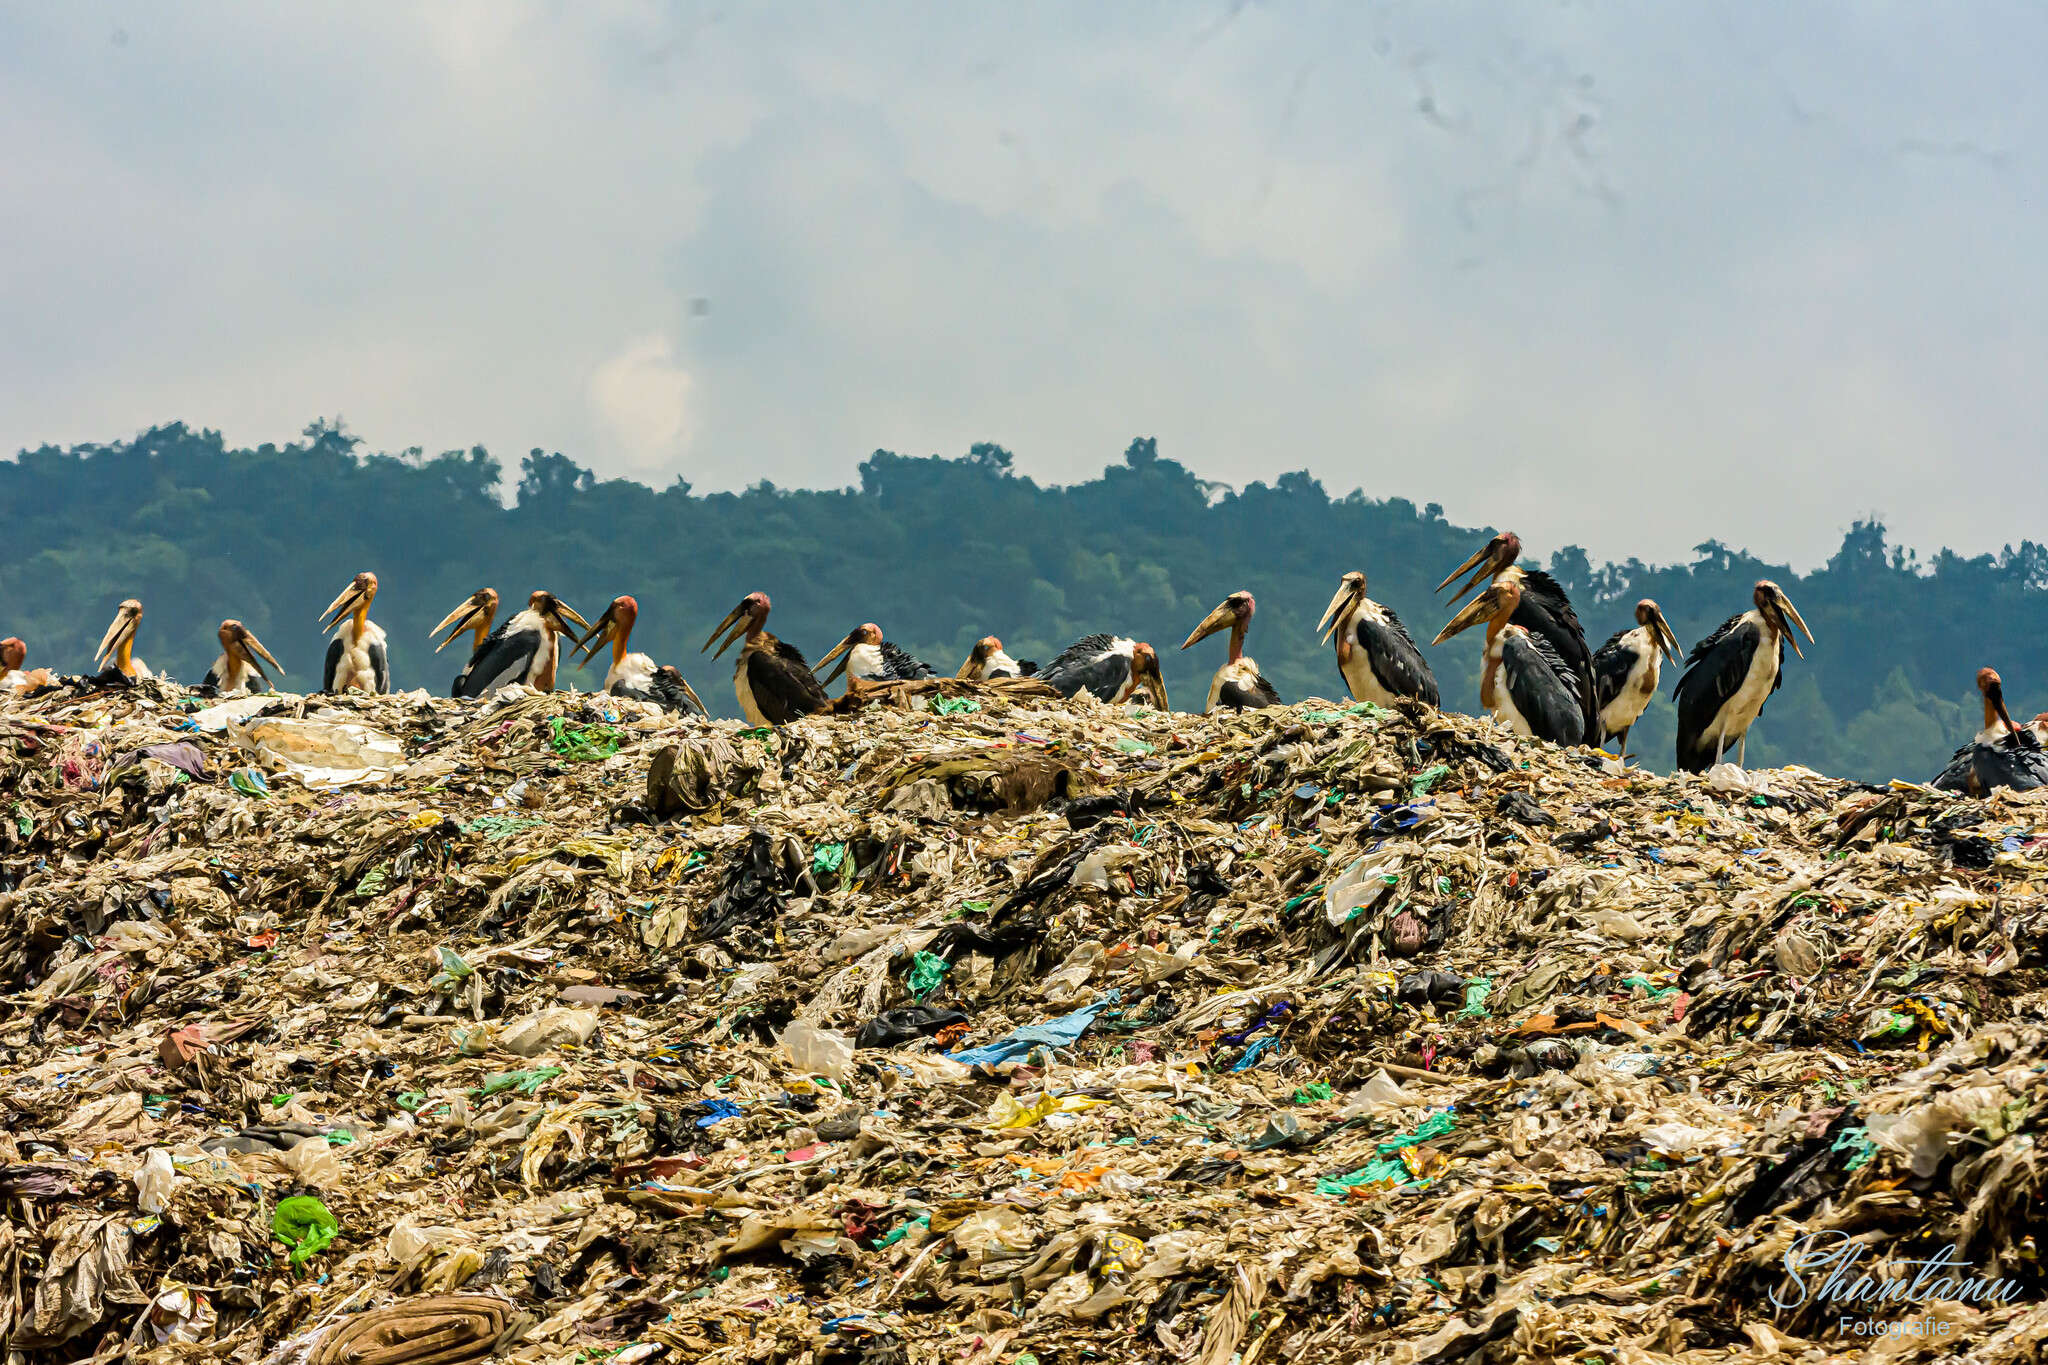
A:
[(637, 675), (1626, 668), (1109, 668), (473, 617), (1376, 657), (1545, 612), (236, 670), (2001, 754), (1522, 681), (989, 661), (1731, 674), (525, 649), (117, 646), (1238, 685), (770, 677), (356, 658), (13, 654), (871, 658)]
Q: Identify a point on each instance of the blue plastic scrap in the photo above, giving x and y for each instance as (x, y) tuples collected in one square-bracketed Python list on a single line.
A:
[(717, 1111), (1061, 1032)]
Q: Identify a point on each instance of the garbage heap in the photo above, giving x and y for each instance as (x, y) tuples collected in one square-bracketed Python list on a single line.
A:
[(974, 1026)]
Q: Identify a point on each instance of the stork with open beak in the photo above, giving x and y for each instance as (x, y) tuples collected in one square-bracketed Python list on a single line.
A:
[(13, 678), (770, 677), (525, 649), (989, 661), (1376, 656), (1626, 668), (1731, 674), (636, 675), (237, 669), (2002, 754), (1238, 685), (473, 617), (1545, 612), (356, 659), (871, 658), (1522, 681), (117, 647), (1110, 668)]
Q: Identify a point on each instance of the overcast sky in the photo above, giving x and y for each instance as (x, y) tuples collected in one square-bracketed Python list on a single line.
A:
[(1622, 274)]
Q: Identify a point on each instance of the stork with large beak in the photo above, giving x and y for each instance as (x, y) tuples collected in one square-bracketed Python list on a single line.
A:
[(770, 677), (1731, 674), (2002, 754), (13, 654), (117, 647), (474, 618), (1545, 612), (871, 658), (1522, 681), (1110, 668), (1376, 656), (636, 675), (524, 650), (356, 659), (1238, 685), (989, 661), (236, 670), (1626, 668)]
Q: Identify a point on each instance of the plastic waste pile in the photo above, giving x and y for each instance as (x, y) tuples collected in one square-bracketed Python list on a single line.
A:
[(976, 1027)]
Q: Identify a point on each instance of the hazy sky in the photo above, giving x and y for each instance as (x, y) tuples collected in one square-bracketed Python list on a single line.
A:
[(1623, 274)]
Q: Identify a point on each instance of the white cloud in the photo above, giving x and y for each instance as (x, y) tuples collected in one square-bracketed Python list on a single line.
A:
[(642, 400)]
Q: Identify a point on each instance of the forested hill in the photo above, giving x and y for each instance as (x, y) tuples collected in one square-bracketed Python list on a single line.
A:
[(940, 552)]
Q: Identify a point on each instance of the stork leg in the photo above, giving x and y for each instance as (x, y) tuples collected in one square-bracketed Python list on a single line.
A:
[(1741, 751), (1624, 744), (1720, 747)]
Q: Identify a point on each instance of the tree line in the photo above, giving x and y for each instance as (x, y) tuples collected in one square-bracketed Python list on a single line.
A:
[(940, 551)]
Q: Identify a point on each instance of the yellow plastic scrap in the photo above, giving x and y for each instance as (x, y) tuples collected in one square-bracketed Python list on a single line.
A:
[(1007, 1113)]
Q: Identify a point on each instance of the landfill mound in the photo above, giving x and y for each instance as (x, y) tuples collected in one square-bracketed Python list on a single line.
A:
[(975, 1027)]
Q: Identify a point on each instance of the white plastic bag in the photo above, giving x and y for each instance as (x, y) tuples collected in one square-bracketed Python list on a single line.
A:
[(816, 1051), (154, 1181)]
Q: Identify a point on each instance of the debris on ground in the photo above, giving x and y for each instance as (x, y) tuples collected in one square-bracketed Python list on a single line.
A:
[(984, 1028)]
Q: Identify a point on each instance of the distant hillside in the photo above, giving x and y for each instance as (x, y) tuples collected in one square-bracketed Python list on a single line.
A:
[(940, 552)]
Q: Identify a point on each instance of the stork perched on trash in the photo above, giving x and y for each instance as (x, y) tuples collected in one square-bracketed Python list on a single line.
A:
[(117, 647), (1238, 685), (473, 617), (13, 678), (1545, 612), (770, 677), (2002, 754), (1731, 674), (1522, 680), (356, 659), (237, 669), (637, 675), (1110, 668), (1376, 656), (872, 659), (525, 650), (1626, 669), (989, 661)]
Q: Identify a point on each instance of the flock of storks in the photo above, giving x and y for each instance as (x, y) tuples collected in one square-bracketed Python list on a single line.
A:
[(1538, 677)]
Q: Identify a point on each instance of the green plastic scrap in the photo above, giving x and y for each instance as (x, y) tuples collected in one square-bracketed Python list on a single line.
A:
[(587, 744), (1476, 991), (526, 1082), (500, 826), (1857, 1140), (1656, 992), (1436, 1125), (250, 782), (454, 971), (923, 1220), (926, 971), (1132, 746), (954, 706), (1379, 1171), (304, 1224), (1311, 1094), (827, 857), (1429, 777), (373, 881)]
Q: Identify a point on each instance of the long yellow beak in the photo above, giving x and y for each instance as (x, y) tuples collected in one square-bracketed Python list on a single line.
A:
[(1328, 625), (456, 622), (1480, 608), (1792, 615), (843, 647), (123, 627), (1668, 640), (563, 611), (340, 606), (691, 693), (736, 618), (1216, 620), (599, 636), (250, 642), (1479, 563)]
